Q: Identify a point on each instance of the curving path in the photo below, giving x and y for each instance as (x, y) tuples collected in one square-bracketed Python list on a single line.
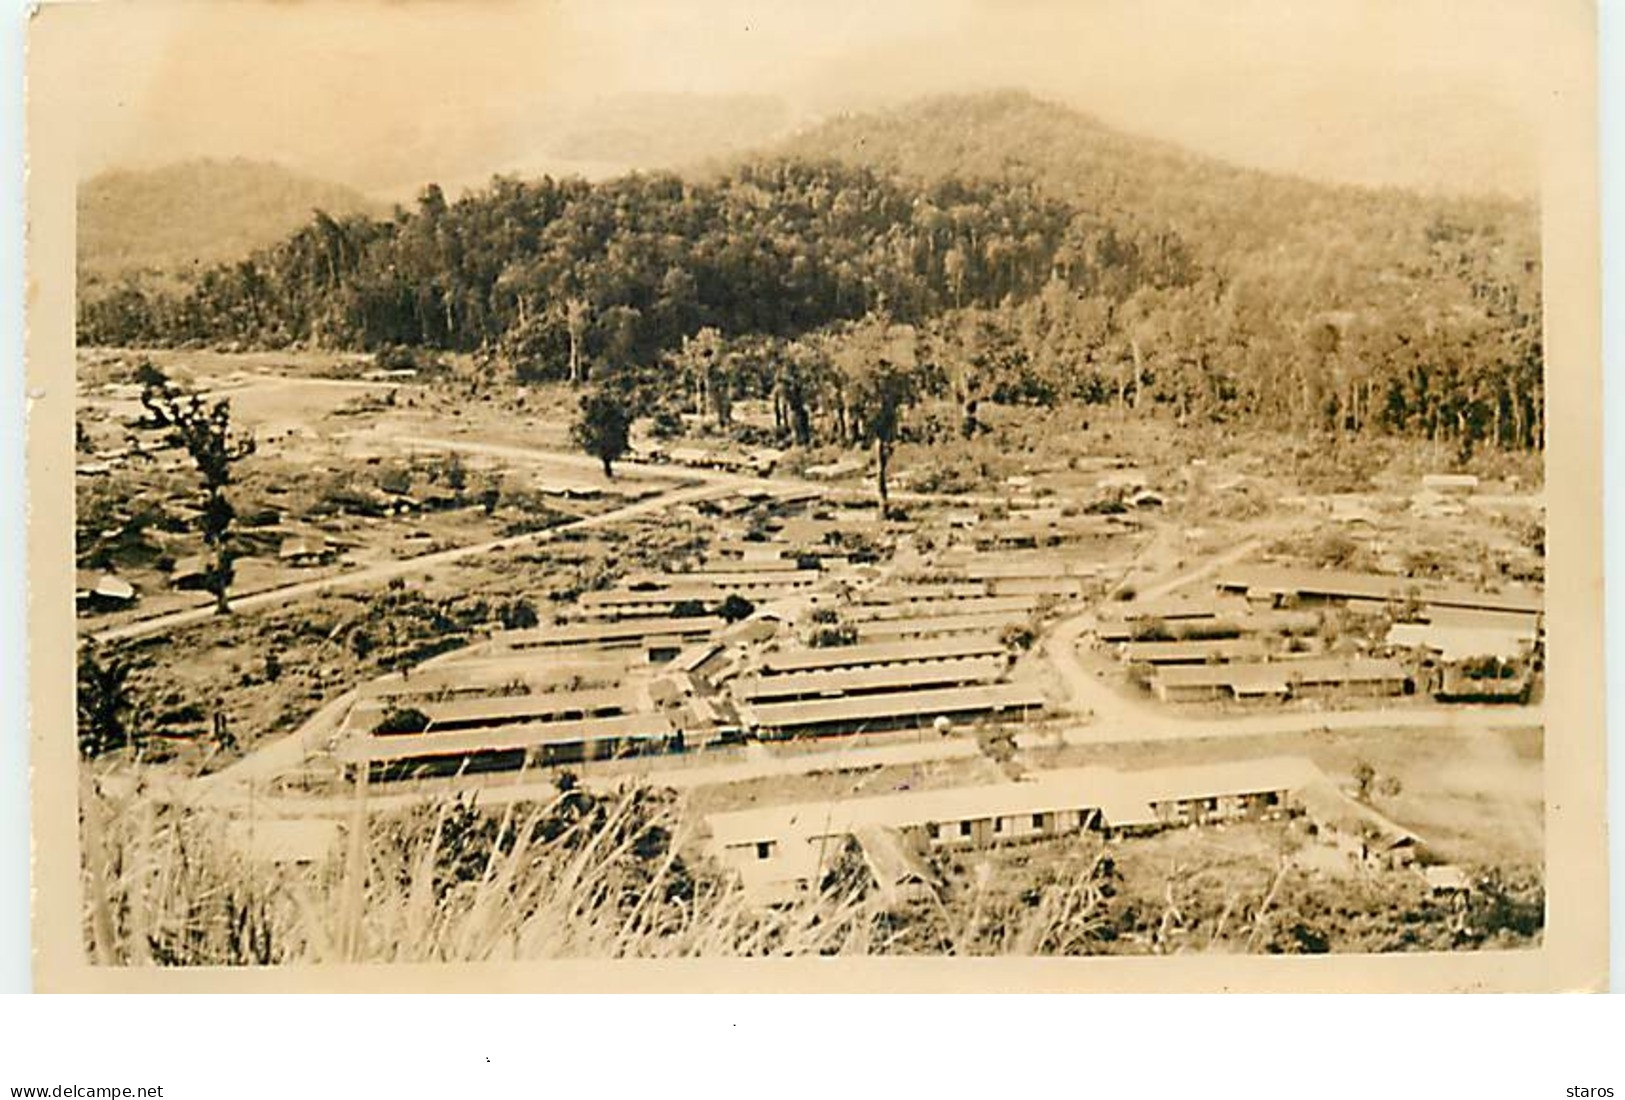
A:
[(385, 571)]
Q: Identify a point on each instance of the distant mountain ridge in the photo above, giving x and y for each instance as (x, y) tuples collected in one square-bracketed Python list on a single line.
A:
[(1218, 206), (1051, 257), (191, 215)]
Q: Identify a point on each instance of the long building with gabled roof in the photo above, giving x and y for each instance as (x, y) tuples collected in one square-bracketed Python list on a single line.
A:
[(1274, 584), (781, 851), (893, 710), (507, 748), (891, 653), (609, 634), (1279, 679), (874, 679), (936, 626)]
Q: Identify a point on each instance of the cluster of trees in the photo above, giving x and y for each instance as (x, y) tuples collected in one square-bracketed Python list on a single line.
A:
[(1028, 254), (553, 275)]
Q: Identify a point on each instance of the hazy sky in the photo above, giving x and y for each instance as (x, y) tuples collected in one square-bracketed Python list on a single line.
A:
[(384, 95)]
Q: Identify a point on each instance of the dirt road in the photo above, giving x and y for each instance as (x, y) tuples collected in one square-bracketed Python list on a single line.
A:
[(385, 571), (1088, 695), (1106, 715)]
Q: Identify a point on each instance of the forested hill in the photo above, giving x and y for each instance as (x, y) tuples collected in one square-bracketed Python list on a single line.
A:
[(195, 214), (1037, 255), (1239, 223)]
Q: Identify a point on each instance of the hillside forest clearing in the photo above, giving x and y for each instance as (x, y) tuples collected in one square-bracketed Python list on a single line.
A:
[(1008, 576), (221, 653)]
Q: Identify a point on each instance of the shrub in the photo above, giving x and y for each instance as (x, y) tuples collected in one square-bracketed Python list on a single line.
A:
[(666, 423), (519, 614), (402, 720), (830, 637), (1018, 636)]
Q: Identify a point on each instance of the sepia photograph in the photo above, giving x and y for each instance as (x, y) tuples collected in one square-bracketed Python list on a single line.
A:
[(719, 482)]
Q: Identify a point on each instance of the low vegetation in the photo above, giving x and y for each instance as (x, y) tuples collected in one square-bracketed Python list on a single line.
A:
[(610, 876)]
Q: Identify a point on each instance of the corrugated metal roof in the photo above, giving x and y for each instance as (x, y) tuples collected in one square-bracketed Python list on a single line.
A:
[(1331, 808), (1374, 586), (906, 704), (1175, 608), (921, 593), (1130, 793), (411, 746), (739, 578), (1278, 673), (1192, 652), (507, 708), (610, 631), (880, 630), (623, 598), (932, 649), (926, 609), (1012, 566), (752, 565), (964, 670), (1466, 618), (1459, 644)]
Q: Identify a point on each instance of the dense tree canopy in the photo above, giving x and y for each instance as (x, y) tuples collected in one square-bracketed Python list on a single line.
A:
[(1038, 256)]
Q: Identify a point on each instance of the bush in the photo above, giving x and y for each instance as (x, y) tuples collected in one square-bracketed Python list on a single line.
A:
[(666, 423), (831, 637), (1018, 636), (1151, 630), (519, 614), (402, 720)]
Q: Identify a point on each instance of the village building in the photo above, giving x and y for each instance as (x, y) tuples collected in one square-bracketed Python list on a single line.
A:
[(924, 609), (1277, 680), (1055, 588), (921, 593), (611, 634), (763, 583), (1452, 644), (782, 851), (877, 679), (304, 551), (509, 748), (1205, 652), (858, 656), (1140, 620), (935, 626), (490, 711), (1272, 586), (729, 552), (766, 559), (500, 674), (190, 574), (889, 711), (835, 471), (102, 591), (621, 603), (1450, 483), (1364, 836)]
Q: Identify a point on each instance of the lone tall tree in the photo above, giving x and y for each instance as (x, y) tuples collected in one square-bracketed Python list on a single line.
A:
[(204, 431), (602, 427), (882, 367), (577, 317)]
